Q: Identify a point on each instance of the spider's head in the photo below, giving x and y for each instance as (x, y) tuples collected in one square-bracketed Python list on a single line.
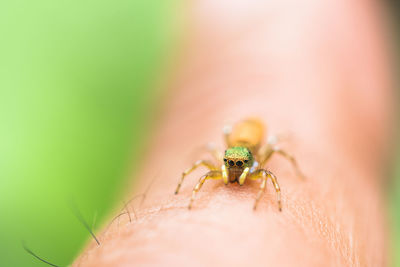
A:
[(238, 157)]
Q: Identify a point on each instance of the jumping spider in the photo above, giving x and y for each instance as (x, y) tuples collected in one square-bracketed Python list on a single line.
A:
[(244, 158)]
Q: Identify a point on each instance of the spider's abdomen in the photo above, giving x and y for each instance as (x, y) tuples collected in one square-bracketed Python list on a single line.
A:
[(248, 133)]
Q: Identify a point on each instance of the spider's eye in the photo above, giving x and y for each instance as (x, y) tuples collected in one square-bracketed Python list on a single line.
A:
[(245, 161), (231, 163), (239, 163), (225, 160)]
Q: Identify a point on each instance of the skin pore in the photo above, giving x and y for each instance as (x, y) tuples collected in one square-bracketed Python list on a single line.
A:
[(316, 71)]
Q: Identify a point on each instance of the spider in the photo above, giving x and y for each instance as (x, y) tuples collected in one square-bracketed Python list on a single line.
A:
[(244, 158)]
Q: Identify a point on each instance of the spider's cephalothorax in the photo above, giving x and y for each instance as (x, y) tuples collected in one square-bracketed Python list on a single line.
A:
[(244, 158), (236, 160)]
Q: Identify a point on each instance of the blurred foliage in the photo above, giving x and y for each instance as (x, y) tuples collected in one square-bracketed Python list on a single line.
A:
[(395, 215), (77, 90), (395, 184)]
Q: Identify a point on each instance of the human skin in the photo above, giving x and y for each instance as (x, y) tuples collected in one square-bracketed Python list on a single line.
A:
[(316, 71)]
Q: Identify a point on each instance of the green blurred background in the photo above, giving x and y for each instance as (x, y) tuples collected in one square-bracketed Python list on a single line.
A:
[(394, 184), (78, 88)]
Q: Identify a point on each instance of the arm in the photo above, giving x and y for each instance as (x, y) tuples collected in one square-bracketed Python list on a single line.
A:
[(305, 69)]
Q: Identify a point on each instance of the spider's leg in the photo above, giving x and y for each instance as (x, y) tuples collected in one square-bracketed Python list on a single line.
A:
[(292, 160), (264, 175), (210, 175), (227, 132), (269, 149), (277, 188), (264, 154), (255, 176), (207, 164), (215, 152)]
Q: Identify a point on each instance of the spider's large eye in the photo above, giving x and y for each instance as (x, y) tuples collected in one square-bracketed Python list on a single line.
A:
[(239, 163), (231, 163), (245, 161)]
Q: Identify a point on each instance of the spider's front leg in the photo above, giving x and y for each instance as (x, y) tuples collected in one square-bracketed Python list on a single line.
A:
[(204, 163), (264, 175), (270, 149), (216, 153), (292, 160), (210, 175)]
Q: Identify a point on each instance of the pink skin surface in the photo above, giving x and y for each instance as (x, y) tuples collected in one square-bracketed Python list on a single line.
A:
[(317, 71)]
